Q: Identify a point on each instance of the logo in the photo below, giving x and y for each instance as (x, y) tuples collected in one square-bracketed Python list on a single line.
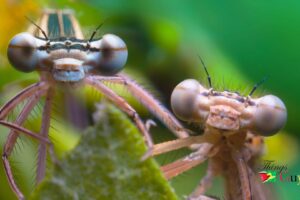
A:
[(271, 172), (268, 176)]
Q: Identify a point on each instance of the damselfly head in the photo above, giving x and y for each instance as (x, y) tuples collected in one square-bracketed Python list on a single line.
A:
[(227, 111), (68, 60)]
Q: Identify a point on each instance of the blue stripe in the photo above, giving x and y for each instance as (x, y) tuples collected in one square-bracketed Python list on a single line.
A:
[(68, 26), (53, 26)]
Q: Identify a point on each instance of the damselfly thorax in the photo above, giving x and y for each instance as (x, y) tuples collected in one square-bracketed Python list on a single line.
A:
[(234, 127), (55, 48)]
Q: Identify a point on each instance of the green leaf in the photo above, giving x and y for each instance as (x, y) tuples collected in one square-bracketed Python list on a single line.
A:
[(106, 165)]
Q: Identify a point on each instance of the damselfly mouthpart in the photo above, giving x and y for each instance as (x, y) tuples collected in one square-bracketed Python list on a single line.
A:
[(56, 49), (231, 123)]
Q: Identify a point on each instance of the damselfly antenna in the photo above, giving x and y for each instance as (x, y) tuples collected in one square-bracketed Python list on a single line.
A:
[(43, 32), (207, 74), (95, 31), (257, 85)]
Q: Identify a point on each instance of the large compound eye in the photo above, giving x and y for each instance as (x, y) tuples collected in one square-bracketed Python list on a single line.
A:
[(22, 53), (270, 115), (108, 55), (185, 100)]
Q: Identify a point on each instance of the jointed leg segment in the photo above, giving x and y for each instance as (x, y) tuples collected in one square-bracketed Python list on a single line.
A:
[(27, 92), (10, 143), (149, 102), (205, 182), (16, 129), (175, 168), (123, 105), (42, 151), (243, 173), (183, 142)]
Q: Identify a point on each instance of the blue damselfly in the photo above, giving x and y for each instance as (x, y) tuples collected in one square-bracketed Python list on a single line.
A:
[(56, 49)]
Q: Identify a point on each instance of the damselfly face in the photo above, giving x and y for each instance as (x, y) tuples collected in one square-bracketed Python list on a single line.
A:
[(227, 111), (67, 59)]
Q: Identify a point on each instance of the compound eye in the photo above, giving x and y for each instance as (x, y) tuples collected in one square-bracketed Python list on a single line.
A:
[(270, 115), (22, 53), (108, 55), (185, 100)]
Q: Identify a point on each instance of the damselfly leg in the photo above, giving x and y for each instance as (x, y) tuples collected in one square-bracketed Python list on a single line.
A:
[(34, 93), (148, 101)]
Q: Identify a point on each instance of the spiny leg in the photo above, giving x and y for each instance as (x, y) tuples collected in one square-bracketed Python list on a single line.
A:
[(13, 135), (27, 92), (10, 177), (42, 150), (149, 102), (25, 131), (34, 91), (11, 140), (123, 105)]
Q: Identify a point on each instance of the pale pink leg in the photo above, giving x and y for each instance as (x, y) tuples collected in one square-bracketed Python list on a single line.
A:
[(10, 177), (178, 167), (20, 129), (42, 150), (243, 174), (13, 135), (259, 190), (183, 142), (203, 197), (27, 92), (11, 140), (123, 105), (205, 182), (149, 102)]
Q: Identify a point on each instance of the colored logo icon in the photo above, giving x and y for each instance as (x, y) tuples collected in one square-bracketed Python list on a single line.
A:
[(267, 176)]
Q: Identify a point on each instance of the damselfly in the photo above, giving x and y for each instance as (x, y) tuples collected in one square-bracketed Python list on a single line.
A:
[(55, 48), (232, 123)]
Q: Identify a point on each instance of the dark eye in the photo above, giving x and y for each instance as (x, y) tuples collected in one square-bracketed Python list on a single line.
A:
[(22, 52), (108, 55)]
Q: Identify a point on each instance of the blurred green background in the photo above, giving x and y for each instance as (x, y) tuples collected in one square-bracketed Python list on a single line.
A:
[(240, 41)]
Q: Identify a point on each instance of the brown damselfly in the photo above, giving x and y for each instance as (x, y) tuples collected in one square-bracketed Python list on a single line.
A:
[(234, 127)]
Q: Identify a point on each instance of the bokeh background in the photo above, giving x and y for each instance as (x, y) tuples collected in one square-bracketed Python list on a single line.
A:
[(241, 42)]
